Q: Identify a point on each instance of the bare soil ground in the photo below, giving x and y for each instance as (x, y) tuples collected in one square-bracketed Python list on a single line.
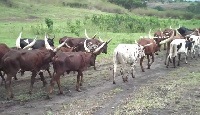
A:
[(99, 95)]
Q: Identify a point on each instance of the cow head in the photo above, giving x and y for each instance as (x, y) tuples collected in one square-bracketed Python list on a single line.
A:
[(141, 49), (95, 51), (50, 40), (98, 43), (48, 47)]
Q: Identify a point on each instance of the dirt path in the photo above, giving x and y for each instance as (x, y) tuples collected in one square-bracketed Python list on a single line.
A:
[(99, 96)]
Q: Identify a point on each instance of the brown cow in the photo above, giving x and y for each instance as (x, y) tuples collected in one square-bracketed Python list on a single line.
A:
[(149, 50), (27, 60), (3, 50), (72, 61), (78, 43), (158, 37)]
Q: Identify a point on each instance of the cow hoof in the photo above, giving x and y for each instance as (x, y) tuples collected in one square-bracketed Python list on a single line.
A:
[(143, 71), (78, 90), (114, 82), (133, 76)]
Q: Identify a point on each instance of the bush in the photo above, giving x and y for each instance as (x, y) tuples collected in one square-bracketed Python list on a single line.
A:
[(194, 8), (159, 8), (129, 4), (49, 23)]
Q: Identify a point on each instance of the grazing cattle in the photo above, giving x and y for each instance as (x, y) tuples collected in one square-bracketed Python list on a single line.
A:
[(38, 44), (149, 50), (72, 61), (127, 54), (78, 44), (178, 46), (27, 60)]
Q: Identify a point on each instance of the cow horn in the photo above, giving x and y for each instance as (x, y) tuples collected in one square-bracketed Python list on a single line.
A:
[(109, 40), (96, 50), (150, 34), (86, 49), (94, 36), (86, 35), (67, 45), (100, 40), (147, 45), (31, 44), (46, 43), (136, 42), (167, 40), (161, 30), (18, 40), (59, 46)]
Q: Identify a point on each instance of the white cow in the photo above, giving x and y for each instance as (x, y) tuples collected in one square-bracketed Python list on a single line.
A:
[(178, 46), (196, 46), (127, 54)]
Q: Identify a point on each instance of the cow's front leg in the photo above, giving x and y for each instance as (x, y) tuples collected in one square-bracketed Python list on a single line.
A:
[(133, 71), (186, 58), (32, 81), (179, 59), (42, 78), (81, 82)]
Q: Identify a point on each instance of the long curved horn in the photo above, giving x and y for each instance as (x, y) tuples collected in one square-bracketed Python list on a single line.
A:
[(147, 45), (150, 34), (59, 46), (46, 43), (31, 44), (136, 42), (190, 34), (86, 49), (109, 40), (18, 40), (94, 36), (86, 35), (161, 30), (167, 40), (100, 40), (96, 50)]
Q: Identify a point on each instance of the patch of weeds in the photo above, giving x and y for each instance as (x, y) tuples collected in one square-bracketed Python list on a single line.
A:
[(115, 91), (173, 90)]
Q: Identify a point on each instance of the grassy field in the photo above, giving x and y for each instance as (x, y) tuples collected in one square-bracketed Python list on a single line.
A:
[(30, 15)]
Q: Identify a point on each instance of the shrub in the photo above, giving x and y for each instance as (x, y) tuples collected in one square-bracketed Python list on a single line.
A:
[(159, 8), (49, 23)]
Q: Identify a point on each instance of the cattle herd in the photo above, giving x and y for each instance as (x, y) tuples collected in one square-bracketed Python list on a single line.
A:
[(77, 54)]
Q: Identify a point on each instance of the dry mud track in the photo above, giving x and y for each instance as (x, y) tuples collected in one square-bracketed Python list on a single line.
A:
[(99, 95)]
